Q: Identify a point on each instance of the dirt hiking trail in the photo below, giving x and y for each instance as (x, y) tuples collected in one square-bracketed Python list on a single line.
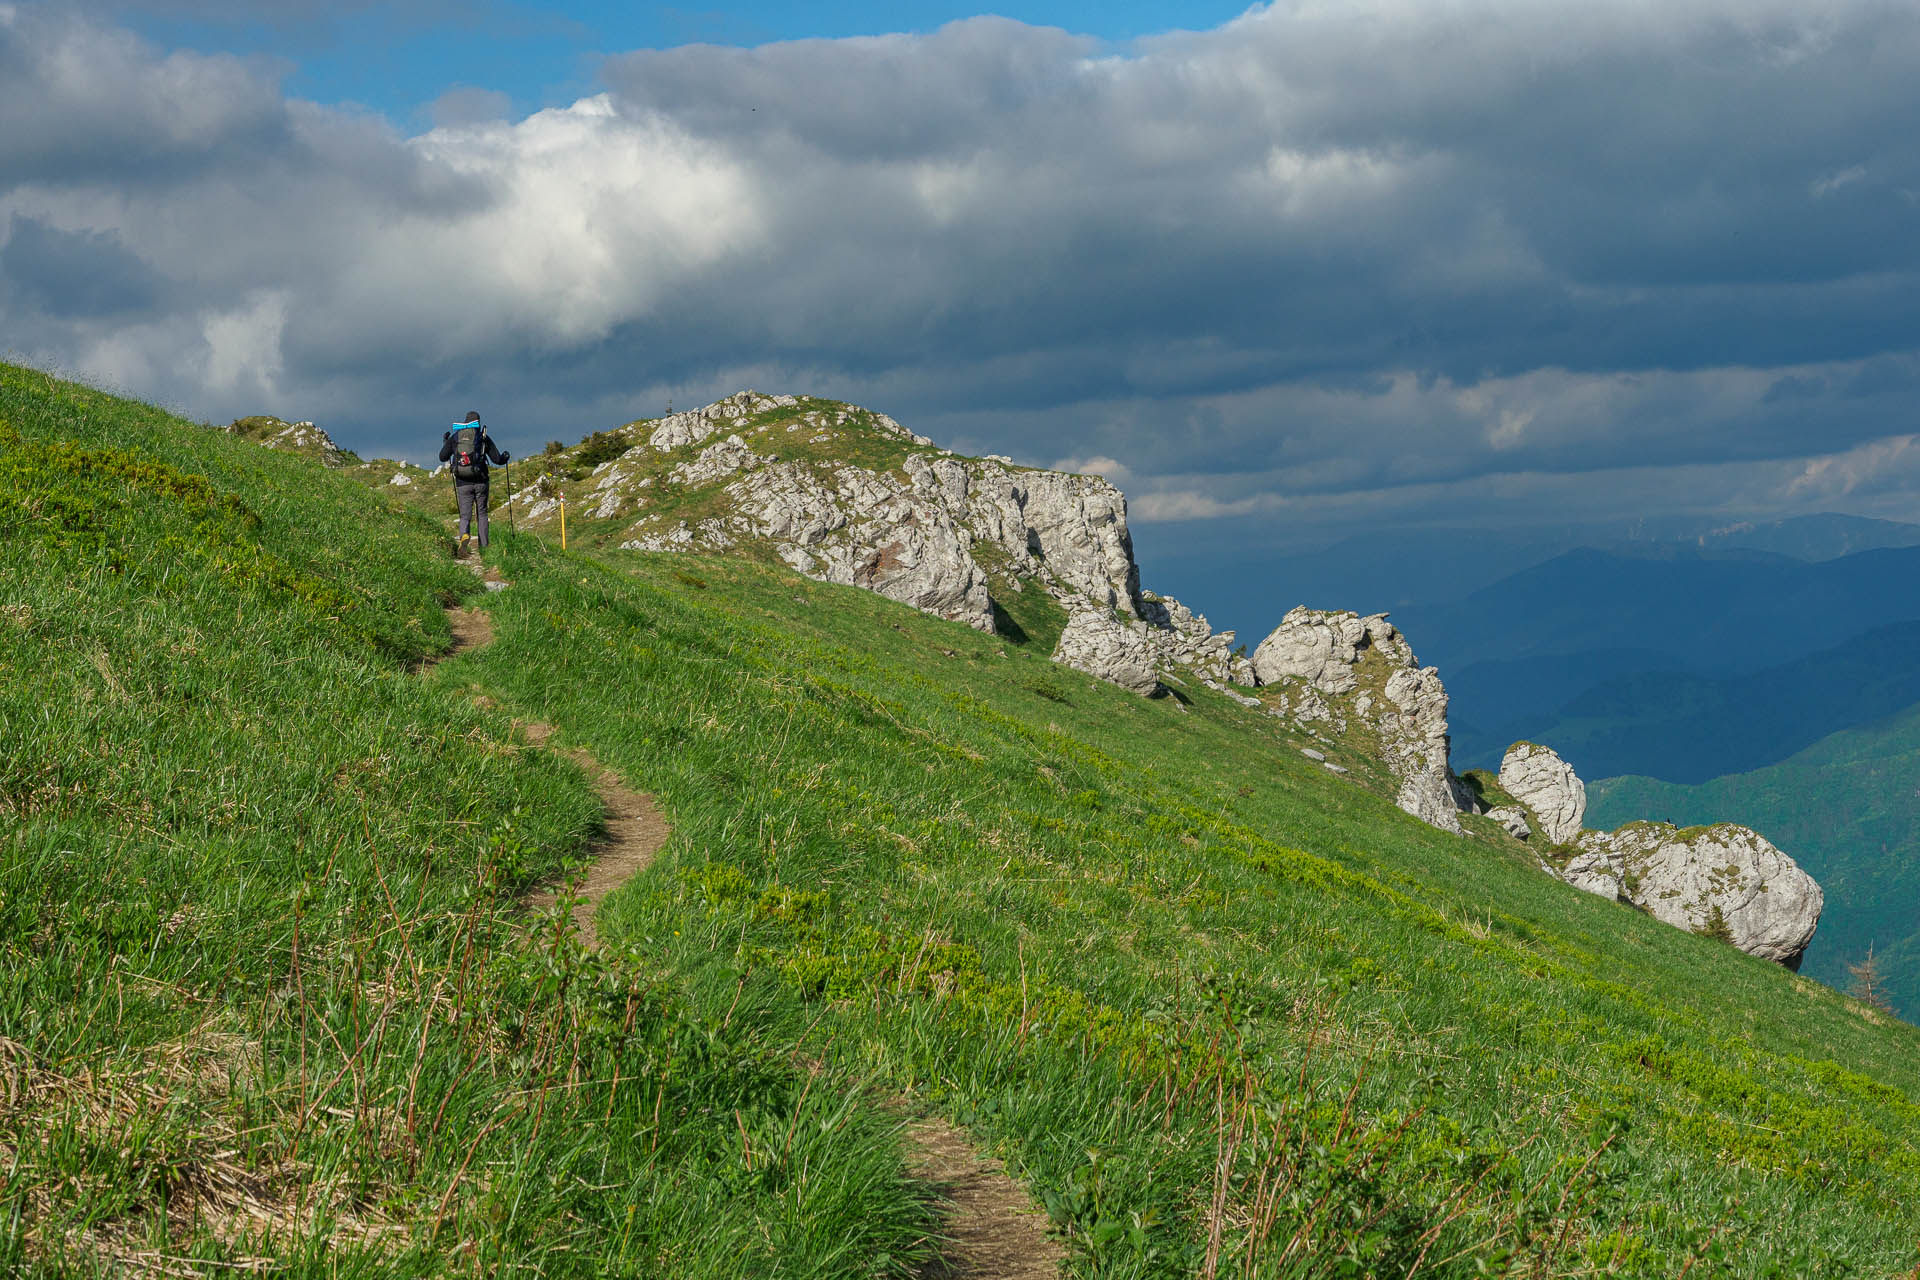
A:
[(635, 827), (993, 1229), (635, 831)]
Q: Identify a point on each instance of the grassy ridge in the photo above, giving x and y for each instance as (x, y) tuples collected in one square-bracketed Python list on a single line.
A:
[(266, 993), (1229, 1015), (1211, 1002)]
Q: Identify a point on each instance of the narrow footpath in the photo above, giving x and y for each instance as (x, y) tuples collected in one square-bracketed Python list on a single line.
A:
[(636, 830), (994, 1230)]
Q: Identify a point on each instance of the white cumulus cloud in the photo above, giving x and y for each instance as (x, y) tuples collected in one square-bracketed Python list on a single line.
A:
[(1324, 253)]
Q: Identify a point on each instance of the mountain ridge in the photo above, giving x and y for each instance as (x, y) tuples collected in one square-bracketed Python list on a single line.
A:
[(844, 495), (1680, 726)]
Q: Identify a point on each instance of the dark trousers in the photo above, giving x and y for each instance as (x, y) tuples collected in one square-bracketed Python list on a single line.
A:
[(473, 510)]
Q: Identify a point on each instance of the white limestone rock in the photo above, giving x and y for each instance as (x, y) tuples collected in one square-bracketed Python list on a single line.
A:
[(1513, 819), (1306, 707), (1185, 639), (1235, 695), (857, 528), (295, 437), (714, 462), (1538, 778), (1068, 528), (1098, 643), (1316, 658), (694, 426), (937, 533), (1704, 878), (1319, 648)]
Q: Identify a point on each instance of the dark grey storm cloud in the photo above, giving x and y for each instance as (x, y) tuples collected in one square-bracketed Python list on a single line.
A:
[(1360, 257), (77, 274)]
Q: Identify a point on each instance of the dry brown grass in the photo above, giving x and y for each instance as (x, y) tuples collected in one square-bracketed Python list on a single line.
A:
[(215, 1178)]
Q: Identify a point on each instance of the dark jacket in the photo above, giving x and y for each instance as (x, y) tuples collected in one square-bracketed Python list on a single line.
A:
[(488, 450)]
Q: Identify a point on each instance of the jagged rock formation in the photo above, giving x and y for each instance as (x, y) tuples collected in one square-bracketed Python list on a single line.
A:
[(849, 496), (1538, 778), (1347, 672), (1724, 880), (917, 531), (1101, 645), (1183, 639), (1318, 648)]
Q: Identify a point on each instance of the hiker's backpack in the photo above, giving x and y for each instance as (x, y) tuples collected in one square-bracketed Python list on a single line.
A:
[(469, 466)]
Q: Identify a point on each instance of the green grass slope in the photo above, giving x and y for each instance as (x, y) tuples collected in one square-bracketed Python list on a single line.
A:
[(1227, 1014), (268, 1000), (1200, 993), (1848, 810)]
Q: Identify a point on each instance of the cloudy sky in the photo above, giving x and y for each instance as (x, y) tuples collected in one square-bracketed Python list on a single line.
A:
[(1322, 265)]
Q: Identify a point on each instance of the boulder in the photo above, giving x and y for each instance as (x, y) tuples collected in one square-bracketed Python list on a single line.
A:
[(1725, 880), (1514, 820), (1318, 648), (1098, 643), (1538, 778)]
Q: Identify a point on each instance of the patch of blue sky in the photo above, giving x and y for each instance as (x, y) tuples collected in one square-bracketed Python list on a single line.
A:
[(522, 55)]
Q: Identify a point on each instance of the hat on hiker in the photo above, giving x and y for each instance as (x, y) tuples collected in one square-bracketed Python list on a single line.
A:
[(473, 415)]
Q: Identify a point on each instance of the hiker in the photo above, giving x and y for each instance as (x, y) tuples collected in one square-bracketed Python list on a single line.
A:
[(468, 446)]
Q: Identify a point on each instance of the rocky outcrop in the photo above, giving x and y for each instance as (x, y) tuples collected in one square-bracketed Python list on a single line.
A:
[(293, 437), (1538, 778), (849, 526), (1098, 643), (849, 496), (1071, 529), (1727, 881), (1347, 672), (1317, 648), (1339, 674)]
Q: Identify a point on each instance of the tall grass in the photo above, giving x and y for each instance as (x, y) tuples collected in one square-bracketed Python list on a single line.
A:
[(1228, 1014), (268, 997)]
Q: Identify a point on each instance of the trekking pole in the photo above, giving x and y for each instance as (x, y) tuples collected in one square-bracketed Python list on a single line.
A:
[(563, 524), (511, 527)]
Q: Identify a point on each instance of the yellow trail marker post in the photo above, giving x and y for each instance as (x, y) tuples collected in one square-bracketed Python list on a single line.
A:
[(563, 524)]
